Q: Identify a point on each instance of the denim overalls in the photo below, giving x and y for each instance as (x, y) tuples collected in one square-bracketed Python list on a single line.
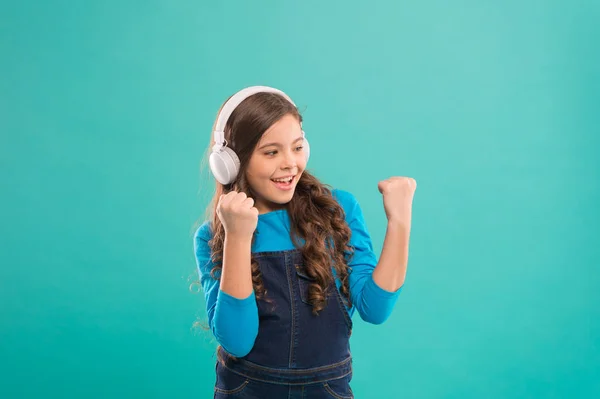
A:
[(296, 354)]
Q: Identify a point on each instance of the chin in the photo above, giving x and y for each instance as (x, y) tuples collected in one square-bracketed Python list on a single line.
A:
[(280, 198)]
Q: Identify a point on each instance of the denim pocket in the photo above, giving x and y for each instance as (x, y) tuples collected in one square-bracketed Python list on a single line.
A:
[(339, 388), (229, 383), (304, 281)]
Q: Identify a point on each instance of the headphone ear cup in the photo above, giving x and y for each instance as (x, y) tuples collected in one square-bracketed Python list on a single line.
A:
[(306, 148), (224, 165)]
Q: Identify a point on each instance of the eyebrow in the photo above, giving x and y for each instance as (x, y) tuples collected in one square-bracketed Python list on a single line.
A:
[(277, 144)]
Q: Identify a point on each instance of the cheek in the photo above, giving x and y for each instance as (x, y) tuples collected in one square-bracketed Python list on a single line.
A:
[(256, 169), (301, 163), (257, 173)]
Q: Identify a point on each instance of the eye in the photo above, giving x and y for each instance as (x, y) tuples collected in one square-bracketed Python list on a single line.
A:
[(299, 148), (271, 153)]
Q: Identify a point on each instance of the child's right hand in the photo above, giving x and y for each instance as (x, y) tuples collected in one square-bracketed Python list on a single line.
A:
[(238, 214)]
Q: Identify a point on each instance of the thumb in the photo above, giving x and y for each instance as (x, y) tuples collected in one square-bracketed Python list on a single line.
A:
[(381, 186)]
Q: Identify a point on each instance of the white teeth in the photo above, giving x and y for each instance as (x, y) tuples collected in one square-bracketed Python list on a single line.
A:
[(289, 179)]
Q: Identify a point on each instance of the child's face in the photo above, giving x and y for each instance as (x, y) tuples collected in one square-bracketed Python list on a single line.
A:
[(278, 154)]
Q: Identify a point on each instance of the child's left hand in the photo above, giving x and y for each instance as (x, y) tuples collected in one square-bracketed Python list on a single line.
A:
[(398, 193)]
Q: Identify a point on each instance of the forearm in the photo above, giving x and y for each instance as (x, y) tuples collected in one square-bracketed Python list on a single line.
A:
[(390, 272), (235, 323), (236, 274)]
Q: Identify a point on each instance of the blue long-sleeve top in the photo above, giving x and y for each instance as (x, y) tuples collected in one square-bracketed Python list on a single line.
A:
[(234, 321)]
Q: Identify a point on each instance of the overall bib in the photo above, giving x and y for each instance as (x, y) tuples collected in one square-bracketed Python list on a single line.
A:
[(296, 355)]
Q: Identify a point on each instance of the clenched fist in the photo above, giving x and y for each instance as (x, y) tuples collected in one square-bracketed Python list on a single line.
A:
[(237, 213), (398, 193)]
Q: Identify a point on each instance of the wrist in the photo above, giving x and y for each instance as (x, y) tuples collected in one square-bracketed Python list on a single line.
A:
[(238, 237), (398, 225)]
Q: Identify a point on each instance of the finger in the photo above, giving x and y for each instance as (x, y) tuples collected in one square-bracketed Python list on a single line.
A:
[(221, 200), (248, 203), (382, 185), (239, 198), (226, 198)]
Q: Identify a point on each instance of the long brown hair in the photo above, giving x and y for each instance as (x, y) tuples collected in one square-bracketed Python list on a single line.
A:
[(315, 216)]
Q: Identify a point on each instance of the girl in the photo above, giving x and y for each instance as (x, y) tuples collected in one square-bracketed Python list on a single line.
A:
[(284, 261)]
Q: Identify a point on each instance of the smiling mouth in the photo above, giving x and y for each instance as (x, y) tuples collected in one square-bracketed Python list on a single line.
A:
[(284, 183), (285, 180)]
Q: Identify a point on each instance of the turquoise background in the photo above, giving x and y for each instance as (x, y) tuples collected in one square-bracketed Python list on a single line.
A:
[(106, 109)]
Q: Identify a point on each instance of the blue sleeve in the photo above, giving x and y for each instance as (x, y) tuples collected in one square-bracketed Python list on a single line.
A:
[(373, 303), (233, 321)]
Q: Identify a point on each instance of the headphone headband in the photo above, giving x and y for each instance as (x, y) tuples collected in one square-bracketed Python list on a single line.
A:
[(231, 105)]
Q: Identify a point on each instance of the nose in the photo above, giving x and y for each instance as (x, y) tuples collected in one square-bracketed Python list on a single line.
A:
[(289, 160)]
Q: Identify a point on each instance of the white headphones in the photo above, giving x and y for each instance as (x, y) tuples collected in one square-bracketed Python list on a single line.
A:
[(224, 162)]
